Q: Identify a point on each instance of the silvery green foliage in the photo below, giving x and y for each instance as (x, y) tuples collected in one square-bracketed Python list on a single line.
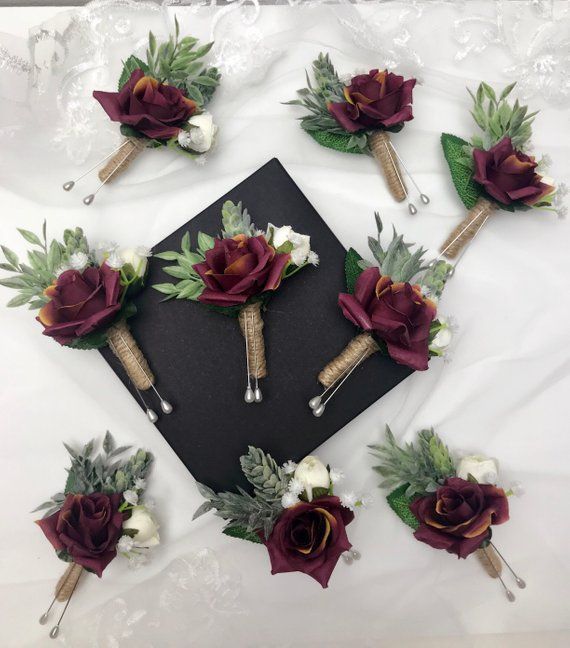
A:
[(423, 466), (103, 473), (435, 277), (254, 513), (396, 261), (236, 220)]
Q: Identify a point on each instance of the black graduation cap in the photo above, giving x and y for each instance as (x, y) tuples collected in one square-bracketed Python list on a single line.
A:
[(198, 356)]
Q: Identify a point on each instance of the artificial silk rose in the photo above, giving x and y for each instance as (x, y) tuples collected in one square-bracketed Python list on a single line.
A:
[(237, 268), (312, 473), (88, 528), (80, 303), (458, 515), (509, 175), (145, 527), (310, 538), (397, 313), (484, 469), (154, 109), (374, 100)]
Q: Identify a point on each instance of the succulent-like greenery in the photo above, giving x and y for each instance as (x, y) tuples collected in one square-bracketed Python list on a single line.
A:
[(422, 466), (249, 514), (436, 276), (31, 279), (103, 473), (236, 220)]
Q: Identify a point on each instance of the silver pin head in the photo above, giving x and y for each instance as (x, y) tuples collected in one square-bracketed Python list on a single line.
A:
[(520, 582), (89, 199), (355, 554), (152, 415), (249, 396), (315, 402), (424, 199), (412, 209), (319, 411), (166, 407), (511, 597), (258, 395), (44, 618), (347, 557), (68, 186), (54, 632)]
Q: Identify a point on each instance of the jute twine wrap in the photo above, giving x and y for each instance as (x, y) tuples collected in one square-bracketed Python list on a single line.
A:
[(122, 159), (475, 218), (379, 142), (250, 319), (361, 344), (66, 584), (488, 558), (124, 346)]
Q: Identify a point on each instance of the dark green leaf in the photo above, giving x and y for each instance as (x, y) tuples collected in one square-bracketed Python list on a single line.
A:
[(400, 504), (338, 142), (351, 269), (96, 340), (242, 533), (469, 191), (129, 66)]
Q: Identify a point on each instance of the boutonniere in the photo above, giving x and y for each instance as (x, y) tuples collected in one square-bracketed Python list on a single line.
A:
[(358, 117), (293, 512), (236, 273), (395, 306), (450, 504), (160, 102), (493, 171), (99, 514), (84, 297)]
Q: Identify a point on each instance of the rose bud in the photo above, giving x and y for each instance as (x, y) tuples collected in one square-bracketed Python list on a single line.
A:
[(150, 107), (200, 136), (374, 100), (87, 527), (509, 175), (458, 515), (301, 242), (310, 537), (312, 473), (137, 258), (81, 303), (142, 521), (484, 469)]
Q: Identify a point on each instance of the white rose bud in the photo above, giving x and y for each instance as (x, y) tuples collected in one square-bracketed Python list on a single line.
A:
[(312, 473), (137, 257), (145, 526), (443, 337), (484, 469), (201, 135), (301, 242)]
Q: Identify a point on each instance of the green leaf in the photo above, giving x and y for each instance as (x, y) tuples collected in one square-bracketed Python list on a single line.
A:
[(30, 237), (206, 81), (14, 282), (338, 142), (242, 533), (96, 340), (177, 271), (351, 269), (469, 191), (167, 256), (108, 442), (11, 257), (185, 243), (18, 300), (205, 242), (400, 504), (129, 66), (166, 288)]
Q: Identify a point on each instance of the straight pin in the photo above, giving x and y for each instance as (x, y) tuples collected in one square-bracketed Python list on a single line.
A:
[(423, 197), (510, 596), (316, 400), (249, 395), (411, 207), (319, 411), (257, 393), (91, 197), (55, 630), (68, 186), (519, 581)]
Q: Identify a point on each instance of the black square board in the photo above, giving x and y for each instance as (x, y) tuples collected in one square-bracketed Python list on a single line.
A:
[(198, 356)]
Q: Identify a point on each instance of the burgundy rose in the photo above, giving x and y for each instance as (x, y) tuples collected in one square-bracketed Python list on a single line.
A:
[(374, 100), (458, 515), (396, 312), (310, 538), (152, 108), (508, 175), (81, 302), (237, 268), (88, 527)]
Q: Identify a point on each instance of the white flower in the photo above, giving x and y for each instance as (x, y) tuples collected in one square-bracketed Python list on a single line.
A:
[(517, 489), (288, 500), (349, 500), (125, 544), (131, 497), (443, 337), (366, 499), (313, 258), (289, 467), (145, 526), (140, 484), (78, 261), (301, 242), (312, 473), (137, 257), (295, 486), (484, 469), (115, 261), (336, 475), (201, 135), (103, 250)]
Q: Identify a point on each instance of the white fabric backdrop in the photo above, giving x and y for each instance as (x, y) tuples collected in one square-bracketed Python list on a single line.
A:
[(504, 392)]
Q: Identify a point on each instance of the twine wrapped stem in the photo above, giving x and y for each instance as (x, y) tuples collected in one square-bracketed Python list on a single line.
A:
[(489, 560), (468, 227), (361, 345), (381, 148), (66, 584), (250, 321), (124, 346), (122, 159)]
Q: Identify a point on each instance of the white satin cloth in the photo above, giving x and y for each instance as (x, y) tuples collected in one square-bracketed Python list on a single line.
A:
[(504, 393)]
